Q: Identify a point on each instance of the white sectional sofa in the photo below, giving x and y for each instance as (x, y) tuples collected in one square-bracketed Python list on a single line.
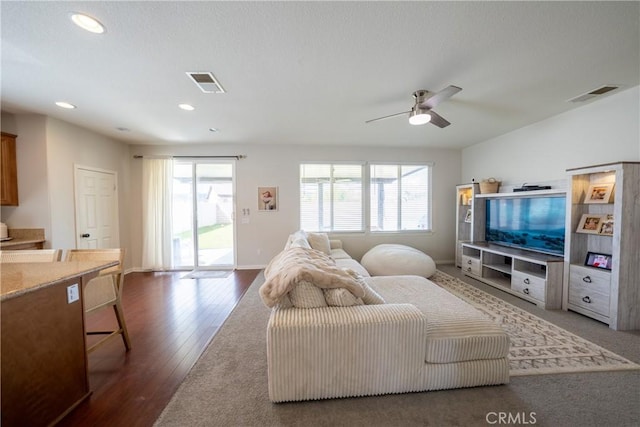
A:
[(347, 334)]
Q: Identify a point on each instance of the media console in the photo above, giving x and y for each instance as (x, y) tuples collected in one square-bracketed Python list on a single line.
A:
[(532, 276)]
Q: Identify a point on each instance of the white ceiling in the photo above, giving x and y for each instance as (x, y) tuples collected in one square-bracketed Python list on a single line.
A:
[(313, 72)]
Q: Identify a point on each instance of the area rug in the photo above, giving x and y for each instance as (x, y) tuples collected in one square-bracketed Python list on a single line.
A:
[(207, 274), (537, 346), (228, 387)]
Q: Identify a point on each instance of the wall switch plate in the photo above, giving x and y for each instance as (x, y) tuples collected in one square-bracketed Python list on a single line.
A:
[(73, 293)]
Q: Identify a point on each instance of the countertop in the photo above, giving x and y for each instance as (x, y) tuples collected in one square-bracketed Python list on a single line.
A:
[(8, 244), (23, 236), (19, 278)]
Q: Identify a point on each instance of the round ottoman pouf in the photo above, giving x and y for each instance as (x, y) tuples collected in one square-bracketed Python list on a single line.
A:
[(395, 260)]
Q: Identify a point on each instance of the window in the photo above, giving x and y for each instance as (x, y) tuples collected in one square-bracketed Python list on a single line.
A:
[(400, 197), (331, 197)]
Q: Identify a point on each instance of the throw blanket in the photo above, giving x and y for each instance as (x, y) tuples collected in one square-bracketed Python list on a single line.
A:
[(294, 265)]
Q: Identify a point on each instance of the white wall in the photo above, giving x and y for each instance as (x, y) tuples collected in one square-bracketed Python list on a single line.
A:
[(47, 150), (69, 145), (266, 233), (603, 131), (34, 210)]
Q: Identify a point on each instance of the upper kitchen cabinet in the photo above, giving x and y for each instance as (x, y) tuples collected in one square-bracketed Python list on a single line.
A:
[(8, 171)]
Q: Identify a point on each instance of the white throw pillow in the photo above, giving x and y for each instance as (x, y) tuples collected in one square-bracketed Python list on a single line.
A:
[(297, 240), (307, 295), (340, 297), (319, 242)]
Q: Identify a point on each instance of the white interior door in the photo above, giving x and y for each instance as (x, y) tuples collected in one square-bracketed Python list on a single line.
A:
[(96, 195)]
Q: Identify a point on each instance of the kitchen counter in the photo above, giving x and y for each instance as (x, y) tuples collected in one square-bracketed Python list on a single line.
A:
[(19, 278), (43, 349), (24, 238)]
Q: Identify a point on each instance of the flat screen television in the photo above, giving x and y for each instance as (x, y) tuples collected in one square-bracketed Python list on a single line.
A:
[(535, 223)]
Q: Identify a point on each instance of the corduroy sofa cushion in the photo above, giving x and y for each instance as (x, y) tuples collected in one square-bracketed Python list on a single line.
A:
[(455, 331)]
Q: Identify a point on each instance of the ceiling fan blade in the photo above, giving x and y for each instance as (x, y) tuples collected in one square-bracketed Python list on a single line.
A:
[(386, 117), (438, 97), (438, 120)]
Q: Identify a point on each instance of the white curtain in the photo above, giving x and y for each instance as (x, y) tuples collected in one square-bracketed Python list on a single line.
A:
[(157, 177)]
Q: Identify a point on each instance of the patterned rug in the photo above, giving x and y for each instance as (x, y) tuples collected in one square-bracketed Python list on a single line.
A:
[(537, 346)]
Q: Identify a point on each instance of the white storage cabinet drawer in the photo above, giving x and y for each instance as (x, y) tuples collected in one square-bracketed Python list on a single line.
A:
[(471, 265), (528, 284), (589, 289)]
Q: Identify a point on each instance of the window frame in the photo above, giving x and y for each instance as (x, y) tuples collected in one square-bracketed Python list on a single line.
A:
[(365, 209), (363, 194), (429, 229)]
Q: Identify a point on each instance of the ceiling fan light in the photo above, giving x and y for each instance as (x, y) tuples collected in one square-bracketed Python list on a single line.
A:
[(87, 22), (419, 117)]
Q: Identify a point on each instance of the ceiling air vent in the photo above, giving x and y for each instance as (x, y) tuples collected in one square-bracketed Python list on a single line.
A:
[(205, 81), (595, 93)]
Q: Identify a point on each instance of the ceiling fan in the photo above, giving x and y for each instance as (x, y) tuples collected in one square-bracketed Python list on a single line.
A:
[(422, 112)]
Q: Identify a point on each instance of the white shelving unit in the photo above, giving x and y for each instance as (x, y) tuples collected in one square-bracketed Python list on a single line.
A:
[(465, 216), (610, 296), (529, 275)]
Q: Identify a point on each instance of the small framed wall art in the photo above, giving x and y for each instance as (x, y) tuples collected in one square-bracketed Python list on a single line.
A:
[(590, 223), (268, 199), (598, 260), (599, 193)]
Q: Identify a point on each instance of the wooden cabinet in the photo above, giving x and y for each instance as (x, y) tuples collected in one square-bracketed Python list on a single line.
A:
[(611, 296), (42, 346), (8, 171), (44, 365), (465, 217), (532, 276)]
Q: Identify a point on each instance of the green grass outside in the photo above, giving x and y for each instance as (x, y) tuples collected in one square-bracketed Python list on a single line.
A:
[(218, 236)]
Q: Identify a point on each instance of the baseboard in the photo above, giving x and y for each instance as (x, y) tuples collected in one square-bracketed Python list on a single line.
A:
[(251, 267), (142, 270)]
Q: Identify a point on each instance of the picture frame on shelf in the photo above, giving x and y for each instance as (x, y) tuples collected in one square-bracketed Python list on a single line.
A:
[(590, 223), (599, 193), (597, 260), (467, 217), (606, 226), (268, 199)]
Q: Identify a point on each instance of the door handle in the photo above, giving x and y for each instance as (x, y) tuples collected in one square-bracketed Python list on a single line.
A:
[(85, 235)]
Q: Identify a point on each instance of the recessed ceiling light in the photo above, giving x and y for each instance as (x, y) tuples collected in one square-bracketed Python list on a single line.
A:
[(213, 130), (186, 107), (88, 23), (63, 104), (123, 129)]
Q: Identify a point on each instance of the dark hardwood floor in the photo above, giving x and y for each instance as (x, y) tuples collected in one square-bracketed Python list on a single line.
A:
[(170, 322)]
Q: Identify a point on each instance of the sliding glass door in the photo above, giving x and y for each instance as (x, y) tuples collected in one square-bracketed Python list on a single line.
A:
[(203, 206)]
